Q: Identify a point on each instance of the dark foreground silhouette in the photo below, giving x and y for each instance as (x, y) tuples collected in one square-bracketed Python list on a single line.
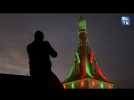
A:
[(39, 53)]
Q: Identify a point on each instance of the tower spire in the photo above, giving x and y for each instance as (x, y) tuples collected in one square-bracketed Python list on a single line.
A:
[(82, 24)]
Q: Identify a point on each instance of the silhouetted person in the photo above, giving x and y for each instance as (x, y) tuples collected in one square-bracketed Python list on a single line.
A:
[(39, 53)]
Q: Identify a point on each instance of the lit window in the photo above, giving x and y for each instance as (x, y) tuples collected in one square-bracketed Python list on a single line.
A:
[(72, 86), (82, 83), (102, 85), (93, 83)]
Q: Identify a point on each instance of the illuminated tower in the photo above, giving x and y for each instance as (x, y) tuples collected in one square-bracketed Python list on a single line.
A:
[(85, 72)]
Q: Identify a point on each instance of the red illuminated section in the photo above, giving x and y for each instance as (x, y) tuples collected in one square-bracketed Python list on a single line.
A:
[(92, 61), (83, 65), (101, 74), (91, 56)]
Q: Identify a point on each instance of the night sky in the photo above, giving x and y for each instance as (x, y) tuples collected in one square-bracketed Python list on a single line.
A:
[(112, 43)]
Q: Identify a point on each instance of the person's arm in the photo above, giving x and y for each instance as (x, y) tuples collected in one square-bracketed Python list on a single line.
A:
[(52, 52)]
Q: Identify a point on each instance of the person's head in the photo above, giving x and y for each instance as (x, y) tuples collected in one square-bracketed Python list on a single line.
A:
[(38, 36)]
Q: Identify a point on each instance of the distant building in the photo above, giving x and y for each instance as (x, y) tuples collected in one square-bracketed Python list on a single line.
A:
[(85, 71)]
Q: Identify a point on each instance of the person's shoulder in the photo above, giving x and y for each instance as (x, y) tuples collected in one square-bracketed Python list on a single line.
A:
[(29, 45), (46, 43)]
